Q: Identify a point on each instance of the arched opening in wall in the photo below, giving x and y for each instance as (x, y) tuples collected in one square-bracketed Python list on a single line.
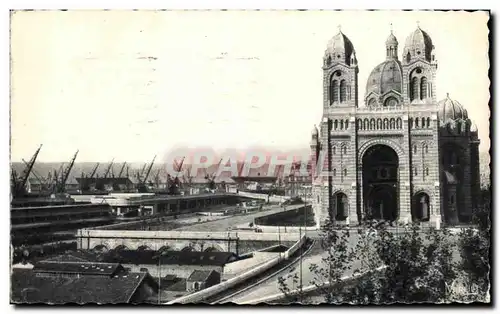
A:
[(392, 123), (164, 248), (379, 124), (187, 249), (386, 124), (372, 102), (211, 249), (414, 89), (340, 206), (121, 248), (390, 102), (428, 122), (196, 286), (423, 88), (143, 248), (399, 124), (334, 150), (359, 124), (380, 183), (452, 163), (421, 207), (334, 91), (101, 248), (341, 124), (335, 124), (366, 124), (343, 91), (408, 57), (372, 124), (346, 124)]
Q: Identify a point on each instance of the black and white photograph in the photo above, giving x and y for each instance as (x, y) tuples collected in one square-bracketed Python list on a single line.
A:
[(250, 157)]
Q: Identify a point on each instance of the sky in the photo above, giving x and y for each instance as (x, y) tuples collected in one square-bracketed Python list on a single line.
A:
[(129, 85)]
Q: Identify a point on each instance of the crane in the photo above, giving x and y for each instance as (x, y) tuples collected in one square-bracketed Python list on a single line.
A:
[(101, 181), (174, 184), (43, 181), (121, 170), (19, 184), (61, 186), (116, 187), (211, 179), (142, 181)]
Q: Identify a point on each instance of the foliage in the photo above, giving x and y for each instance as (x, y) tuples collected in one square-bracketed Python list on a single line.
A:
[(419, 265)]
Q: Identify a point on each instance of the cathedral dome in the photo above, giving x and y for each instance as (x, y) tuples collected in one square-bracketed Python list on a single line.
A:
[(451, 110), (391, 40), (385, 77), (418, 45), (340, 49)]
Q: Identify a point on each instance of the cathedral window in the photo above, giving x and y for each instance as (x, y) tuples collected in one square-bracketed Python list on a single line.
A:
[(414, 89), (452, 199), (426, 148), (346, 124), (334, 91), (334, 172), (342, 91), (415, 171), (335, 124), (414, 149), (428, 122), (341, 124), (334, 150), (372, 102), (423, 88), (345, 150), (427, 171), (345, 172), (408, 57), (416, 122), (391, 101)]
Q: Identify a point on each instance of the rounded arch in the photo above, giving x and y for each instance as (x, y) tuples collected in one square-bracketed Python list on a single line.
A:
[(391, 101), (359, 124), (366, 124), (380, 182), (386, 124), (335, 124), (399, 123), (343, 91), (144, 248), (164, 248), (423, 88), (379, 124), (421, 206), (121, 247), (339, 206), (101, 248), (214, 248), (380, 141), (372, 102), (392, 124), (372, 124), (187, 249)]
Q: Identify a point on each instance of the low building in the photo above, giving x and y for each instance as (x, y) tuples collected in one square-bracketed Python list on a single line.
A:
[(201, 279), (81, 283), (178, 263)]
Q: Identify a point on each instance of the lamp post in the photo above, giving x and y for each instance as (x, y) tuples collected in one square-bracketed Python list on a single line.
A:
[(159, 274)]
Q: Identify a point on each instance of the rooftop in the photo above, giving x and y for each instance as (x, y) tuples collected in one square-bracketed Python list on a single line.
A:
[(200, 275)]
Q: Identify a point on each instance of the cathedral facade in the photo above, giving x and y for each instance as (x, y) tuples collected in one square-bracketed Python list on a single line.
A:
[(397, 154)]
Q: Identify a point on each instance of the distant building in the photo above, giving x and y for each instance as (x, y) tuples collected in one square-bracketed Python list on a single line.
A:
[(201, 279), (81, 283)]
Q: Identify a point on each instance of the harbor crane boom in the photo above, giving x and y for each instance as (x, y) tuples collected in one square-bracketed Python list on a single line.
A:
[(121, 170), (108, 169), (21, 184), (148, 171), (61, 186)]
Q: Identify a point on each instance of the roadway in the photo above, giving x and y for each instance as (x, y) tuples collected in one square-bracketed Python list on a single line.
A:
[(271, 286), (232, 221)]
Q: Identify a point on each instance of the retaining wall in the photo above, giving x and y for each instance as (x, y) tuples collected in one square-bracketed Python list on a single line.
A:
[(211, 291)]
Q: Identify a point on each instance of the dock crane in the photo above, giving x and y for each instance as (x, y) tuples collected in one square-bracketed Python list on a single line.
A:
[(100, 183), (174, 184), (60, 186), (142, 181), (211, 179), (19, 183), (116, 187), (45, 183), (85, 180)]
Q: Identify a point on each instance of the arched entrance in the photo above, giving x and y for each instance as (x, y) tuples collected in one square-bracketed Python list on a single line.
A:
[(420, 207), (380, 183), (340, 206)]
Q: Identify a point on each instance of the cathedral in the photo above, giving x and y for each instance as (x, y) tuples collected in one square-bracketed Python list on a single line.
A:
[(398, 154)]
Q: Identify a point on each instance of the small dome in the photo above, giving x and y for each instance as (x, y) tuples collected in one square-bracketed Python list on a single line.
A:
[(391, 40), (385, 77), (451, 110), (340, 49), (314, 130), (473, 127), (418, 44)]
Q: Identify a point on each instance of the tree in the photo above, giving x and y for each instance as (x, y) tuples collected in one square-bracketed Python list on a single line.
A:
[(474, 245)]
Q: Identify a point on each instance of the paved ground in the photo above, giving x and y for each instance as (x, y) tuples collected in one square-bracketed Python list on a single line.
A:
[(233, 221)]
